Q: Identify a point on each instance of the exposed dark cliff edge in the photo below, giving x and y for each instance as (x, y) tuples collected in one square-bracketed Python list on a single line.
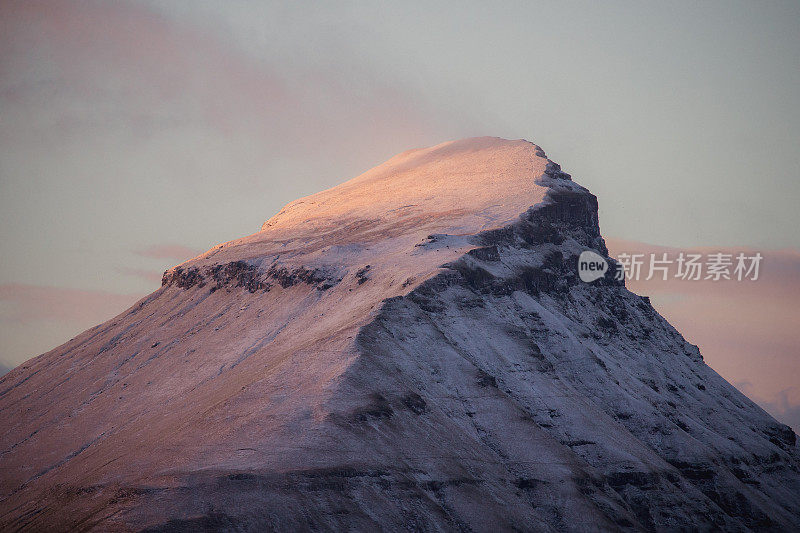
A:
[(242, 274), (439, 368)]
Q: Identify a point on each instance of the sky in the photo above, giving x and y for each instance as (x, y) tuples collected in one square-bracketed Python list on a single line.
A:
[(134, 135)]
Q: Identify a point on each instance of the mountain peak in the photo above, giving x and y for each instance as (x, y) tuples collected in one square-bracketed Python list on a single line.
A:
[(412, 349), (459, 188), (491, 179)]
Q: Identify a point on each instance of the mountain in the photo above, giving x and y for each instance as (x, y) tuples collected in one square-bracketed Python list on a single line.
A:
[(410, 350)]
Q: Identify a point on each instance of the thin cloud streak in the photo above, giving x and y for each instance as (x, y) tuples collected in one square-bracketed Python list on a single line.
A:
[(166, 73), (151, 276), (176, 252), (28, 303)]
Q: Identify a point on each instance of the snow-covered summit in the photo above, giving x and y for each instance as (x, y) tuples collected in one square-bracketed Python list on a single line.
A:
[(457, 188), (483, 180)]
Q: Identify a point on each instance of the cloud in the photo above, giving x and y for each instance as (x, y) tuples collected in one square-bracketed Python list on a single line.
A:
[(169, 251), (746, 330), (126, 66), (26, 303), (166, 253), (785, 410), (35, 319), (785, 405), (151, 276)]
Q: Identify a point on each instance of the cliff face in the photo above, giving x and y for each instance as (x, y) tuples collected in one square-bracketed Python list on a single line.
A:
[(410, 350)]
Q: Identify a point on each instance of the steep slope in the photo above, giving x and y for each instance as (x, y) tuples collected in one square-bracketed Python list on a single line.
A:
[(412, 349)]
